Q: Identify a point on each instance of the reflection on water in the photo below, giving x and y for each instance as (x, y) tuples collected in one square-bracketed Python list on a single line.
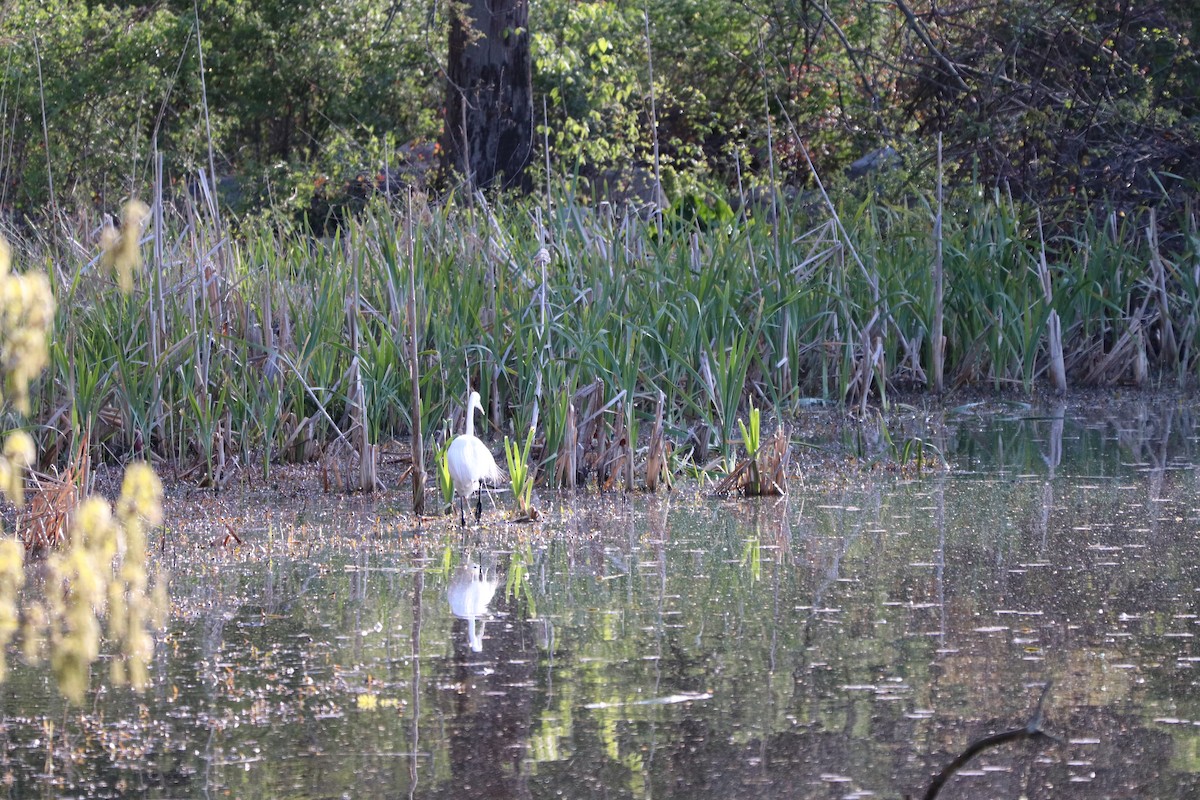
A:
[(469, 593), (846, 641)]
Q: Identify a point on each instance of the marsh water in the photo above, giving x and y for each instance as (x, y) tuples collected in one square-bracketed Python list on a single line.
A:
[(848, 640)]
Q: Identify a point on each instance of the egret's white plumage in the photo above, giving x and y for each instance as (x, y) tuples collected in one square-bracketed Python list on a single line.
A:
[(469, 593), (470, 462)]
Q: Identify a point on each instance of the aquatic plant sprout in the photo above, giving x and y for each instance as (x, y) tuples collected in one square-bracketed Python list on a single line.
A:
[(752, 435), (520, 472)]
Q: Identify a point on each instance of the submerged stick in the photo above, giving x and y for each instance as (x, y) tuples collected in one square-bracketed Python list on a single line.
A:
[(1031, 730)]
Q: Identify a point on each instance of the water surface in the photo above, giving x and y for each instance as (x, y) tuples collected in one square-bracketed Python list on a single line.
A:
[(846, 641)]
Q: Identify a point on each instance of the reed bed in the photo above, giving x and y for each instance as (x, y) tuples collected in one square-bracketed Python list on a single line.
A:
[(253, 345)]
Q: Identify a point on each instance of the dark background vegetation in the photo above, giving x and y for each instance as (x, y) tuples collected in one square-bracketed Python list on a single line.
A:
[(1052, 101)]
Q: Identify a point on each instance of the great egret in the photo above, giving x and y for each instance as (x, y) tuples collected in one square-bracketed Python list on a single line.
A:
[(470, 462), (469, 593)]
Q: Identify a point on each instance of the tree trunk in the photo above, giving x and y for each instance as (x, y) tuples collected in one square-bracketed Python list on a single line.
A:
[(488, 137)]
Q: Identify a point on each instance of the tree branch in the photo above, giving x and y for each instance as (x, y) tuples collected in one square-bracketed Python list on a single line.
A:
[(921, 33)]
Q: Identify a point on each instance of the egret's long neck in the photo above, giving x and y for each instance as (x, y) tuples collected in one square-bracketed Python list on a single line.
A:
[(470, 427)]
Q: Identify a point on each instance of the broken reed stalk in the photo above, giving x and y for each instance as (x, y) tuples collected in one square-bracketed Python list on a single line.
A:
[(615, 458), (368, 453), (1168, 349), (603, 443), (568, 461), (658, 190), (591, 440), (1141, 364), (541, 260), (212, 162), (658, 452), (1130, 344), (871, 277), (1058, 369), (630, 434), (45, 517), (158, 324), (270, 371), (367, 450), (865, 371), (937, 345), (37, 52), (762, 70), (414, 373)]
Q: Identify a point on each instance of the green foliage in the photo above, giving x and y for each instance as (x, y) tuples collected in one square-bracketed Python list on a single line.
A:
[(303, 104), (290, 88), (704, 211), (587, 61), (111, 79)]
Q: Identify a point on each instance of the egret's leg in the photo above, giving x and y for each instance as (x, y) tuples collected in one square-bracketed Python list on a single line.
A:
[(479, 505), (462, 512)]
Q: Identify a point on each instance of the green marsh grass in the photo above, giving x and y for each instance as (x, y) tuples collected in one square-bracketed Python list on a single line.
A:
[(260, 333)]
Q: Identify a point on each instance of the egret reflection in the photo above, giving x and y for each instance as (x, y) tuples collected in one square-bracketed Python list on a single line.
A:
[(469, 593)]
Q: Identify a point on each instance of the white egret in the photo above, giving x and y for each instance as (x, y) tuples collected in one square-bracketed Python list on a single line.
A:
[(470, 462), (469, 593)]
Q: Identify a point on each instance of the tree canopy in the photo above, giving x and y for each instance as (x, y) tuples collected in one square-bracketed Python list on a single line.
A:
[(1048, 98)]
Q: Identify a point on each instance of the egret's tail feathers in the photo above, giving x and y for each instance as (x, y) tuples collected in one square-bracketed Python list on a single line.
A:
[(496, 476)]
